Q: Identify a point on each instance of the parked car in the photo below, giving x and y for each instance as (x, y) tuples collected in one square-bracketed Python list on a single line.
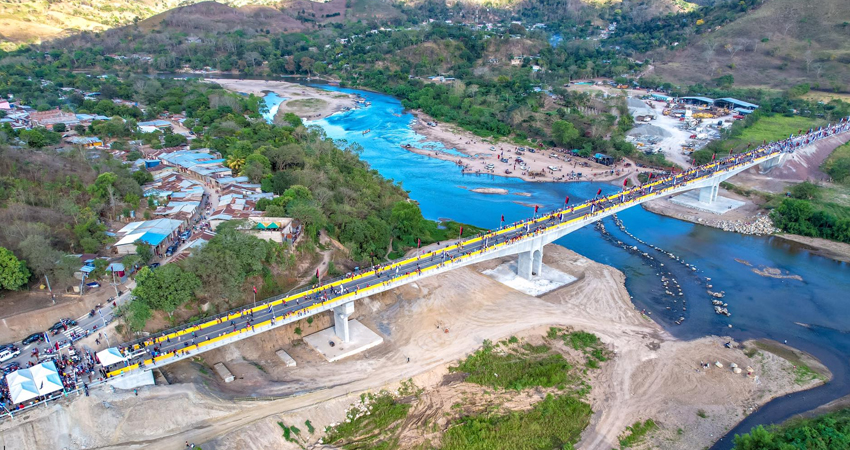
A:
[(186, 234), (93, 284), (9, 353), (11, 367), (153, 266), (33, 338)]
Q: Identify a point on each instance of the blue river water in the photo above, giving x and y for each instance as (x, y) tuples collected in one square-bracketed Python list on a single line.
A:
[(812, 314)]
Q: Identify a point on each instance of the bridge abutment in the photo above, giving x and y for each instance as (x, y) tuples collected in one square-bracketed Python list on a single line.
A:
[(773, 162), (341, 315)]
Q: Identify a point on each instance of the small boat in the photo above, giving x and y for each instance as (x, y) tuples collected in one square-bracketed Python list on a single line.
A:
[(367, 131)]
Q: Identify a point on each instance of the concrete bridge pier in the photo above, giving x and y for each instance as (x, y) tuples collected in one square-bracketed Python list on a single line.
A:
[(530, 263), (708, 194), (341, 315)]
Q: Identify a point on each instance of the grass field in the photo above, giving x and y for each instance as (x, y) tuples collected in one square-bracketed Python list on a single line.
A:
[(556, 422), (838, 164), (772, 128), (515, 366)]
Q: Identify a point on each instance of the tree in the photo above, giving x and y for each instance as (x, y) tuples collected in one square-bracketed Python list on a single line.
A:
[(564, 133), (166, 288), (59, 127), (13, 273), (137, 314), (143, 250), (33, 138), (174, 140), (805, 191), (39, 254), (406, 221)]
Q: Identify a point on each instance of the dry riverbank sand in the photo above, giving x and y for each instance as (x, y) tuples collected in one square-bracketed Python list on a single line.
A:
[(652, 374), (478, 154), (306, 102)]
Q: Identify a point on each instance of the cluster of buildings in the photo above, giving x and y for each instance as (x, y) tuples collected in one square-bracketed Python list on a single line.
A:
[(194, 192)]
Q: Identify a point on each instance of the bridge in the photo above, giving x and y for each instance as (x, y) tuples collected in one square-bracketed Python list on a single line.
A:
[(525, 239)]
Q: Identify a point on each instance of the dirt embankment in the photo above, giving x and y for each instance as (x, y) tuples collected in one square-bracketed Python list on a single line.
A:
[(652, 375)]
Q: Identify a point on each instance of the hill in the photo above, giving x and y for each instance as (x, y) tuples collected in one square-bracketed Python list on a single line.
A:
[(33, 21), (779, 44)]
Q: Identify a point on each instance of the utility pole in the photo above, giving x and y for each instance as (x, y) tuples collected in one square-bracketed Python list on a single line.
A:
[(114, 284), (53, 298)]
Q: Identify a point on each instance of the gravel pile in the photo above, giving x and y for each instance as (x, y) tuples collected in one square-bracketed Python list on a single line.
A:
[(649, 130)]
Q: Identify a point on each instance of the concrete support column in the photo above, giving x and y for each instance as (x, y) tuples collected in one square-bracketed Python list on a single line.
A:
[(709, 194), (341, 314), (524, 265), (537, 262)]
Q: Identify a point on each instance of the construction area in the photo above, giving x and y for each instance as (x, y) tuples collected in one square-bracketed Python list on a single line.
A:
[(677, 127)]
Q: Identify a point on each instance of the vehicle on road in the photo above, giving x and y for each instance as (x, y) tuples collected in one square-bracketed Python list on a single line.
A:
[(9, 353), (62, 325), (33, 338), (11, 367)]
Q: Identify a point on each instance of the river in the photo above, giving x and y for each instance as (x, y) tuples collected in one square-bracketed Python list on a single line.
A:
[(810, 314)]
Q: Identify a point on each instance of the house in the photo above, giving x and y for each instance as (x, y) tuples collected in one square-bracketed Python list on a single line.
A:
[(153, 125), (85, 142), (49, 118), (157, 233)]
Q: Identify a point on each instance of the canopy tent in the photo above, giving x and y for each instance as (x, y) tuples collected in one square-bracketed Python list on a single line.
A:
[(27, 384), (21, 386), (267, 226), (46, 378), (110, 356)]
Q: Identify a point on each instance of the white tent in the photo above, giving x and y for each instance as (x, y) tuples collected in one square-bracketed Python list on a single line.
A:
[(110, 356), (21, 386), (27, 384), (46, 378)]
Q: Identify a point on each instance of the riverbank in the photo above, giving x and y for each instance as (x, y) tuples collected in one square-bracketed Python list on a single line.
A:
[(750, 218), (651, 374), (545, 164), (306, 102)]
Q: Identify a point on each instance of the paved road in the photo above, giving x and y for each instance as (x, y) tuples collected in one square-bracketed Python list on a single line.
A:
[(194, 337), (85, 324)]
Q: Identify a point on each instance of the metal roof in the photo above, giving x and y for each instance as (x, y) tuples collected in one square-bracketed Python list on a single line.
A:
[(737, 102)]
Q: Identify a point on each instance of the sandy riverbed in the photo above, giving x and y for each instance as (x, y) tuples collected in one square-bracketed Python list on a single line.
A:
[(479, 152), (652, 375), (306, 102)]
